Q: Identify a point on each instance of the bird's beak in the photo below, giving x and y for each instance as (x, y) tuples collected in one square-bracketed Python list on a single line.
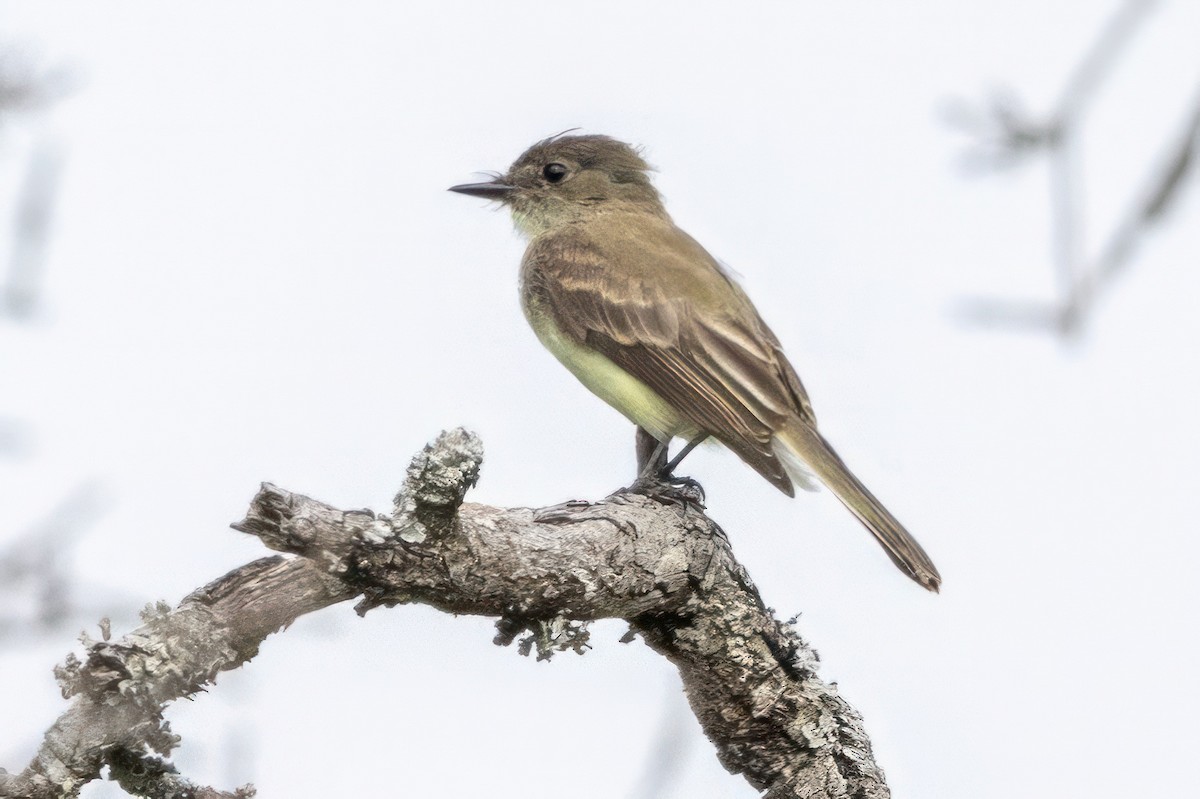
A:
[(493, 189)]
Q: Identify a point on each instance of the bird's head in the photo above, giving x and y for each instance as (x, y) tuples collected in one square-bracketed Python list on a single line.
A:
[(565, 178)]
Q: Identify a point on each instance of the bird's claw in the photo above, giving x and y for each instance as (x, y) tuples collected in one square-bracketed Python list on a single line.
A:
[(669, 489), (688, 484)]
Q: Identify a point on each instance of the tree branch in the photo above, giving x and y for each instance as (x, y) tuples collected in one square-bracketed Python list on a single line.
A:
[(120, 690), (656, 561), (1007, 135)]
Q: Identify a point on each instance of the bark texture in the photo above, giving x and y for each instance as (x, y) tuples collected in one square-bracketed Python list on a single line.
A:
[(119, 690), (653, 559)]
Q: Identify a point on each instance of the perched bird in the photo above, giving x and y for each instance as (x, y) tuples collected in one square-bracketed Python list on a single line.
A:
[(653, 325)]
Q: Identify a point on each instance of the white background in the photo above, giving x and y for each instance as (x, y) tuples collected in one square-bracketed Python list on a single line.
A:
[(257, 274)]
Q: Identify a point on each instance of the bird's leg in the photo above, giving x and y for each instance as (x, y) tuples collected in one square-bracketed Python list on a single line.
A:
[(652, 464), (667, 474), (654, 472), (651, 454), (668, 469)]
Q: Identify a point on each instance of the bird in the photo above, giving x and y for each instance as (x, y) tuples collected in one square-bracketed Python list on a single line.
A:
[(655, 326)]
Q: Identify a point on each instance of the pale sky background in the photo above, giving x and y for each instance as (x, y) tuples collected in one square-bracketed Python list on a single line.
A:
[(257, 274)]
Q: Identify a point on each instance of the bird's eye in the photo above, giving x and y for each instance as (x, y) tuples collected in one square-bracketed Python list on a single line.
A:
[(554, 172)]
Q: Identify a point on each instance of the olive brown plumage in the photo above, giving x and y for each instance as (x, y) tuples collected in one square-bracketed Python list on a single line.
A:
[(651, 323)]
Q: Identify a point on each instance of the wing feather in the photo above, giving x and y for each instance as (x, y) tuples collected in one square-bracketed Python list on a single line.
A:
[(662, 309)]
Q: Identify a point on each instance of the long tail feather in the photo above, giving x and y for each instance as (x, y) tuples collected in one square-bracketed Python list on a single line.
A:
[(805, 444)]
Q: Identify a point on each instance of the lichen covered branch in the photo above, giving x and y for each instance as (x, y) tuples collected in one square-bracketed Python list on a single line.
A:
[(120, 689), (653, 559)]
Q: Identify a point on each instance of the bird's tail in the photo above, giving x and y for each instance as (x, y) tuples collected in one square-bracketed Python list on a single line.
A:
[(809, 450)]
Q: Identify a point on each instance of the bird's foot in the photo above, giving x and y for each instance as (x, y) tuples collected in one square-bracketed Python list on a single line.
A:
[(668, 489), (687, 485)]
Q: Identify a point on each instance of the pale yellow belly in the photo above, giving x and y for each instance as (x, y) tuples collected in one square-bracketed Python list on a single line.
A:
[(633, 398)]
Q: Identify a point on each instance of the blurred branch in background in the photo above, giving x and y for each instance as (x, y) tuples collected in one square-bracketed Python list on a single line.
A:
[(31, 231), (36, 593), (26, 90), (1007, 136), (25, 85)]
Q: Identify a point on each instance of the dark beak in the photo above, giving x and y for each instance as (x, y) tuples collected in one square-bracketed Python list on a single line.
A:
[(492, 190)]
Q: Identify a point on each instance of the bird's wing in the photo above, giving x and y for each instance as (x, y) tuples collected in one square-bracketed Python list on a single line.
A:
[(702, 347)]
